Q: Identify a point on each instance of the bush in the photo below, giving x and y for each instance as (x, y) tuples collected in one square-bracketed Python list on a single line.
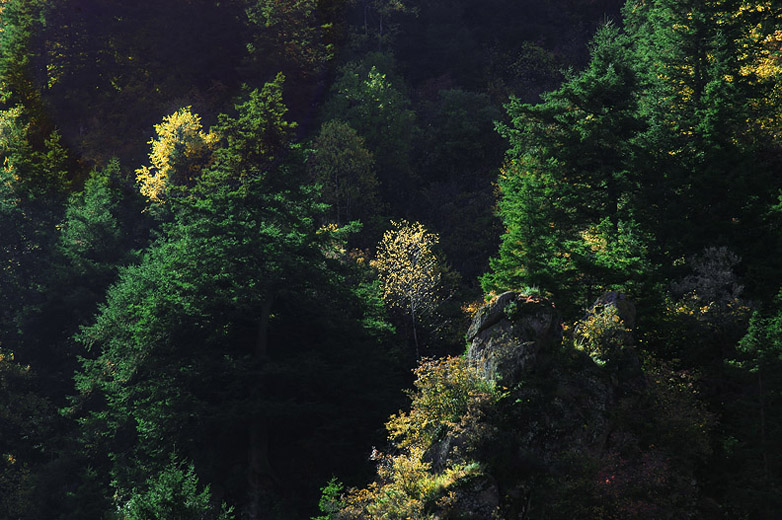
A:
[(174, 495)]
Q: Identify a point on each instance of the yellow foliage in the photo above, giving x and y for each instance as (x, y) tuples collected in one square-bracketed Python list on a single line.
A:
[(470, 309), (601, 333), (448, 392), (178, 154), (405, 489), (408, 269), (449, 396), (594, 239), (761, 62)]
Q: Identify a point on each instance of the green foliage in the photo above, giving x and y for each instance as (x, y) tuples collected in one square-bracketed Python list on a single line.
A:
[(376, 318), (365, 98), (41, 168), (288, 35), (460, 144), (243, 236), (32, 189), (26, 421), (257, 137), (345, 169), (457, 159), (91, 236), (762, 346), (379, 24), (447, 393), (702, 140), (753, 421), (21, 20), (108, 74), (570, 186), (331, 500), (222, 332), (154, 338), (174, 495), (246, 337), (449, 396)]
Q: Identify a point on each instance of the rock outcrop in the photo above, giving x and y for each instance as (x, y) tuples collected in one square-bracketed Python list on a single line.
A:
[(565, 430), (509, 336)]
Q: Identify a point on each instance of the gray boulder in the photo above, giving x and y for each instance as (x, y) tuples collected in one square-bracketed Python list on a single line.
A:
[(509, 336)]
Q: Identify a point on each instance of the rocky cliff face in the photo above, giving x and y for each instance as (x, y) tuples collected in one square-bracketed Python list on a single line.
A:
[(509, 337), (573, 427), (557, 406)]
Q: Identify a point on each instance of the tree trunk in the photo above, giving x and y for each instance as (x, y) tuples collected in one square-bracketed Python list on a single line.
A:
[(415, 334), (262, 340), (261, 478), (763, 452)]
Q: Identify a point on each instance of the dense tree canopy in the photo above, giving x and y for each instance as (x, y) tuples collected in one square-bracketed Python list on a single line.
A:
[(208, 317), (571, 186)]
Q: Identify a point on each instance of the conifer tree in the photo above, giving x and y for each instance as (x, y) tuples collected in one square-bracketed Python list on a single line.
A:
[(211, 344), (366, 98), (570, 186), (708, 161), (345, 169)]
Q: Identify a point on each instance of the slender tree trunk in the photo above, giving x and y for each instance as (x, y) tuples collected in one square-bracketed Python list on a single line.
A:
[(262, 340), (261, 478), (415, 334), (763, 452)]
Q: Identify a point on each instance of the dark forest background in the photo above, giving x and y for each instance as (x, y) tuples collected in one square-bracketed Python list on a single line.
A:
[(196, 313)]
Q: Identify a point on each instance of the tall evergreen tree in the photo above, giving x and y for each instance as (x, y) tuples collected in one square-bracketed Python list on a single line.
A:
[(369, 101), (213, 345), (710, 179), (570, 186)]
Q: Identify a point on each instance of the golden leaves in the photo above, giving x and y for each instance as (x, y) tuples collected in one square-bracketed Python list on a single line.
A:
[(178, 154), (408, 268)]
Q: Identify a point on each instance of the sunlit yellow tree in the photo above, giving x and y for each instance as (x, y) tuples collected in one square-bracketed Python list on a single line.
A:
[(410, 273), (178, 154)]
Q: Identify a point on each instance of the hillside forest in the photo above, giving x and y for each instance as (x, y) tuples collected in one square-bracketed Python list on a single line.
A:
[(390, 259)]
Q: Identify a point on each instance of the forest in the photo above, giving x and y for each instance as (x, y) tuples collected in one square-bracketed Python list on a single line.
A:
[(390, 259)]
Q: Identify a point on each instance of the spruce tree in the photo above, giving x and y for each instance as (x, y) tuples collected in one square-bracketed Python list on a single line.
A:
[(570, 185)]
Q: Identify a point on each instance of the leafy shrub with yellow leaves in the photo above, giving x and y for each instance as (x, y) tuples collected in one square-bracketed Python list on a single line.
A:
[(601, 334), (446, 392), (406, 489), (448, 396)]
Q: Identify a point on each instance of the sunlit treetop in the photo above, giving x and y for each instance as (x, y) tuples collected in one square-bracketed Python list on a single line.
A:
[(408, 268), (178, 154)]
